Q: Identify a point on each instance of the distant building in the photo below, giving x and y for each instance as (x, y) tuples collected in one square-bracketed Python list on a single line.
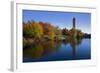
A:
[(74, 27), (74, 23)]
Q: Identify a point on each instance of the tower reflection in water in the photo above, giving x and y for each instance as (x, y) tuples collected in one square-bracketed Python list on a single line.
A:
[(41, 49)]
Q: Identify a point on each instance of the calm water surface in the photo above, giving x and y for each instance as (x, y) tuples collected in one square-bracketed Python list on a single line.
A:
[(57, 51)]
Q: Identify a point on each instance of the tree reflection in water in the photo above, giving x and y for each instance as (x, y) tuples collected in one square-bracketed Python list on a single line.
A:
[(74, 42), (40, 49), (44, 48)]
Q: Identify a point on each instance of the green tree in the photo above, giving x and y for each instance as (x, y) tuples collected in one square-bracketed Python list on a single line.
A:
[(58, 33), (79, 33), (27, 30)]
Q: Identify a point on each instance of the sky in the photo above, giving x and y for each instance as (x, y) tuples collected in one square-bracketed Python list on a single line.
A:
[(60, 19)]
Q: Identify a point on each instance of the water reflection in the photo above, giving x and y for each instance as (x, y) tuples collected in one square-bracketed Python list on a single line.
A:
[(42, 49), (74, 42)]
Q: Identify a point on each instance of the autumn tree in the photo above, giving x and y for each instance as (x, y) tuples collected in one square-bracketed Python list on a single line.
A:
[(33, 30), (58, 32), (38, 30), (27, 30), (65, 31), (79, 33), (50, 32)]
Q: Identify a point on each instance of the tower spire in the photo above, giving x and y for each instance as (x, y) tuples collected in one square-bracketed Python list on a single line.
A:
[(74, 22)]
